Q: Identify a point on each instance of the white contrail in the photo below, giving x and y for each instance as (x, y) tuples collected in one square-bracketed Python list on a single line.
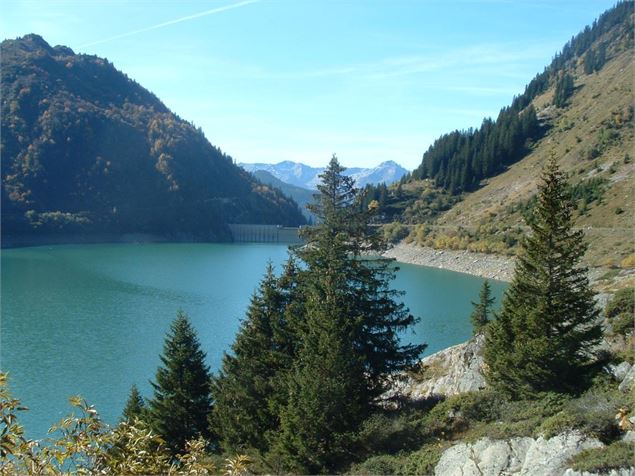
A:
[(172, 22)]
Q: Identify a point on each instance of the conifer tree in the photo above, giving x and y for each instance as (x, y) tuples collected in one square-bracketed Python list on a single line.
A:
[(248, 390), (349, 337), (546, 333), (135, 406), (327, 387), (564, 89), (344, 242), (482, 308), (182, 402)]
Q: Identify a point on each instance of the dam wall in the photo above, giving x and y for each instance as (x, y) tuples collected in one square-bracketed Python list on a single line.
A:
[(265, 234)]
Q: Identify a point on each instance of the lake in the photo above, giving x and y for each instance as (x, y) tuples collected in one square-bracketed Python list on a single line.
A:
[(90, 320)]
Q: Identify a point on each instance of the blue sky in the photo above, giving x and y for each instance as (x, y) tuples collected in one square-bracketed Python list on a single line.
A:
[(272, 80)]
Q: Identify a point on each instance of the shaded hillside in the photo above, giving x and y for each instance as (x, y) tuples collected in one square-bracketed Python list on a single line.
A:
[(86, 150), (583, 104), (300, 195)]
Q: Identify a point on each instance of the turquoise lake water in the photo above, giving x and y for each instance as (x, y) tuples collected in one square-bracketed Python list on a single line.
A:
[(90, 320)]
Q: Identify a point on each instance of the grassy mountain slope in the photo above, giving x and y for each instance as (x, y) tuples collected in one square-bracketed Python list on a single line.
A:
[(87, 150), (591, 134)]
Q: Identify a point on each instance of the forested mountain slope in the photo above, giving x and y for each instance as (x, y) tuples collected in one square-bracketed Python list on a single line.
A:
[(474, 187), (87, 150), (593, 139), (300, 195)]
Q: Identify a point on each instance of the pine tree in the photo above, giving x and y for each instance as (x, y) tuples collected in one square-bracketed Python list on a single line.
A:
[(546, 333), (349, 337), (482, 309), (182, 402), (564, 89), (135, 406), (248, 390), (344, 242), (326, 389)]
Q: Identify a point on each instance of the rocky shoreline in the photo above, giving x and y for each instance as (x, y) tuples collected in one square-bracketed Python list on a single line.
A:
[(478, 264)]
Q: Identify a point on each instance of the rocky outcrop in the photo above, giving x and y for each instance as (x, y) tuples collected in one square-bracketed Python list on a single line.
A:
[(459, 369), (619, 371), (522, 456), (628, 382), (451, 371)]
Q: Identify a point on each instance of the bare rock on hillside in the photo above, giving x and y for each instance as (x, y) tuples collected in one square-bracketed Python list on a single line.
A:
[(523, 456), (451, 371)]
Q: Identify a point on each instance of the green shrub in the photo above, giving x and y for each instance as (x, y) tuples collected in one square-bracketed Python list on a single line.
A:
[(394, 232), (423, 461), (377, 465), (595, 412), (460, 412), (525, 417), (389, 433), (622, 324), (614, 456), (556, 424), (589, 191), (619, 311), (420, 462), (622, 302)]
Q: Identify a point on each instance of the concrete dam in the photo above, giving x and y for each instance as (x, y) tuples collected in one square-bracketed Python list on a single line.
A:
[(265, 234)]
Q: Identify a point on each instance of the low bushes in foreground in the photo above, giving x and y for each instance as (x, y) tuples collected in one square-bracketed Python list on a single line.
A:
[(412, 439), (602, 460), (82, 443)]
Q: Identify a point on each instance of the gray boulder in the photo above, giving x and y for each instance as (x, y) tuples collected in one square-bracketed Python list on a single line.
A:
[(523, 456), (454, 370), (619, 371), (629, 380)]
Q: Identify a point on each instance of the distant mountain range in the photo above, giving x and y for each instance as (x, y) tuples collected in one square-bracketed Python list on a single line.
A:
[(86, 150), (301, 175)]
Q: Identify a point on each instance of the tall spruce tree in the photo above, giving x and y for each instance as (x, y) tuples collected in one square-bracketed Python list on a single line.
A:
[(349, 337), (344, 241), (546, 333), (251, 385), (135, 406), (182, 402), (564, 89), (482, 309)]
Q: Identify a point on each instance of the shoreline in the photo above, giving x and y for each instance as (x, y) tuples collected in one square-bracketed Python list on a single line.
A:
[(25, 241), (483, 265)]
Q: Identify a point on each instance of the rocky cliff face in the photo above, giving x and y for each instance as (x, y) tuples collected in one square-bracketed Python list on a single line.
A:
[(451, 371), (459, 369)]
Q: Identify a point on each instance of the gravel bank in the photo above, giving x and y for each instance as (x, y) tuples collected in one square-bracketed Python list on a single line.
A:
[(478, 264)]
